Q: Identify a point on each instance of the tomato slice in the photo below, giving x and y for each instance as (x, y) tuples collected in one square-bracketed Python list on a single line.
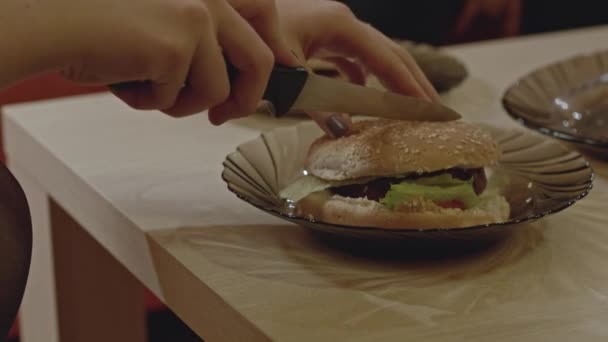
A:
[(451, 204)]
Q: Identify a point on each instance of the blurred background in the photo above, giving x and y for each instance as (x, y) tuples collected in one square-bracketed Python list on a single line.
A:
[(437, 22), (442, 22)]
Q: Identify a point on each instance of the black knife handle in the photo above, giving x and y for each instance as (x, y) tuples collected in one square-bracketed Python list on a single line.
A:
[(284, 86)]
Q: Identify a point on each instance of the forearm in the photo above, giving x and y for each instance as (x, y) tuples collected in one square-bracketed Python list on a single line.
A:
[(29, 42)]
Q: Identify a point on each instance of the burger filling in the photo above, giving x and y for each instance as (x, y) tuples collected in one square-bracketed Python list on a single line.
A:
[(452, 188)]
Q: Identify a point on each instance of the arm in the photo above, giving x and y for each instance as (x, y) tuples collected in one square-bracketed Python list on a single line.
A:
[(154, 54), (170, 55), (27, 45)]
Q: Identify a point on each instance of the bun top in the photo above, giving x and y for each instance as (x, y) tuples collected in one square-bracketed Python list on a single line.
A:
[(383, 148)]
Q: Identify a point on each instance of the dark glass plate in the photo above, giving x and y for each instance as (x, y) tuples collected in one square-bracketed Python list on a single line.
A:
[(544, 177), (567, 100)]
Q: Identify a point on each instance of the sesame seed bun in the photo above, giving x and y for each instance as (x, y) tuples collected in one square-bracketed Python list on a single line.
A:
[(421, 214), (384, 148)]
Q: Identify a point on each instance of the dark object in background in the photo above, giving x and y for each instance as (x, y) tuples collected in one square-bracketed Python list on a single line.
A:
[(552, 15), (165, 326), (422, 21), (433, 21), (15, 248), (443, 71)]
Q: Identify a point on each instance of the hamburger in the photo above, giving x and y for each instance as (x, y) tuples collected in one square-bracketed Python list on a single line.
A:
[(401, 174)]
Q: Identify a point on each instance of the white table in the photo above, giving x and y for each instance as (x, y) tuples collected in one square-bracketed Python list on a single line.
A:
[(124, 199)]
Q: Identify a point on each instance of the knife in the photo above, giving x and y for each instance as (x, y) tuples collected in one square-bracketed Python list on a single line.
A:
[(295, 89)]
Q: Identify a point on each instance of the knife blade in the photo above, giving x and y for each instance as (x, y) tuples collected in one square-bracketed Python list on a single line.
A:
[(295, 89)]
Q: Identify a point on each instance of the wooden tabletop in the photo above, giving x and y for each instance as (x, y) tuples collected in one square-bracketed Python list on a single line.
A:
[(148, 188)]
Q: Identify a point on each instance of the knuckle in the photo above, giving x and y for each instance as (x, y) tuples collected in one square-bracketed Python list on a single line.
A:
[(217, 95), (264, 61), (340, 10), (194, 13), (174, 55), (175, 59)]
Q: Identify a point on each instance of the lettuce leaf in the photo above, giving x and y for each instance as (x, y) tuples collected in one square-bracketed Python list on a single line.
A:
[(442, 187), (438, 188), (308, 184)]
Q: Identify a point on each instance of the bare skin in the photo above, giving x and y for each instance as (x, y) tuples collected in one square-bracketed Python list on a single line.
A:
[(172, 55)]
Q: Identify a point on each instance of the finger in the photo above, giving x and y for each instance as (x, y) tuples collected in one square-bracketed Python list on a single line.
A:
[(160, 93), (323, 67), (411, 65), (208, 83), (147, 95), (512, 18), (356, 39), (414, 68), (263, 17), (165, 80), (469, 12), (352, 70), (334, 124), (254, 61)]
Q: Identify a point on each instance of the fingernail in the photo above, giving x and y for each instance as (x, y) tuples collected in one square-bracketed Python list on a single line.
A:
[(336, 126)]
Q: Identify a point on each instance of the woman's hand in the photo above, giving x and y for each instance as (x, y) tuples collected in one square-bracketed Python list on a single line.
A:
[(162, 54), (176, 51), (170, 54), (328, 29)]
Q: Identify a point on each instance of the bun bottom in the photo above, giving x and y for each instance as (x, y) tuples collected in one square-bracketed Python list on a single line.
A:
[(360, 212)]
